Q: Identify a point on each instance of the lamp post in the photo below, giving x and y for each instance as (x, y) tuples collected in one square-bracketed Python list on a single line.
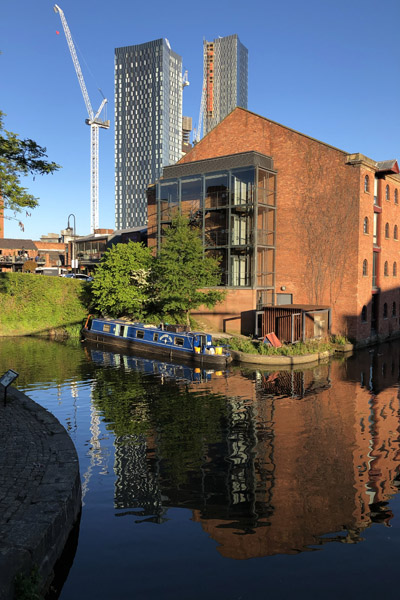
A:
[(73, 242)]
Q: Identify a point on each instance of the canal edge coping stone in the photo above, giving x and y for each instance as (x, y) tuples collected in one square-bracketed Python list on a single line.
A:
[(40, 491), (274, 360)]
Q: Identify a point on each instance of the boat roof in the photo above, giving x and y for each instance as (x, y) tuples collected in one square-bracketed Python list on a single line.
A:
[(147, 326)]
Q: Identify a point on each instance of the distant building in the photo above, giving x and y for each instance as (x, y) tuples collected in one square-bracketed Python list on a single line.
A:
[(15, 252), (225, 63), (148, 124), (186, 131), (89, 249)]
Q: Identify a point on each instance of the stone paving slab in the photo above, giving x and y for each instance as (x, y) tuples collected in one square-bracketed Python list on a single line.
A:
[(40, 489)]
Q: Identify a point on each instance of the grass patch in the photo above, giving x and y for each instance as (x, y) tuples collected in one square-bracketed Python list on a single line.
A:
[(27, 587), (249, 346), (38, 305)]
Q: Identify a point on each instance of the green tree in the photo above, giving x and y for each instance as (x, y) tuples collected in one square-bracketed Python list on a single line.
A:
[(181, 270), (120, 283), (19, 158)]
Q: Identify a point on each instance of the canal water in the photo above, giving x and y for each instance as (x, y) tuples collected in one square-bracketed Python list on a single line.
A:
[(241, 484)]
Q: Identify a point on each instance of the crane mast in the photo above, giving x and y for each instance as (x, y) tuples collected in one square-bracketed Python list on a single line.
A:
[(93, 121)]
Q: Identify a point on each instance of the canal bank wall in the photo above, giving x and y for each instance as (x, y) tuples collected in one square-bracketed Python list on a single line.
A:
[(40, 492)]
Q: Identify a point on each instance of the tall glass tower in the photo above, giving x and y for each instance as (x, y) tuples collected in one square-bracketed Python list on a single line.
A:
[(148, 124), (225, 63)]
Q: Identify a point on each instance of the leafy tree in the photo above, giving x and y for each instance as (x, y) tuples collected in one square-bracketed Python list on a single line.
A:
[(120, 283), (181, 270), (19, 158), (29, 266)]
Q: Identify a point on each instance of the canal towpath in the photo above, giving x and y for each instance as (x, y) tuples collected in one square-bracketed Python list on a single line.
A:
[(40, 490)]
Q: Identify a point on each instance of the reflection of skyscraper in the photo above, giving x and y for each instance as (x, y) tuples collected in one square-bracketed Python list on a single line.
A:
[(148, 124), (225, 75)]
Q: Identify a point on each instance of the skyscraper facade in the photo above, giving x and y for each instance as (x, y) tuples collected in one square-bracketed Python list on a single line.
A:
[(148, 124), (225, 63)]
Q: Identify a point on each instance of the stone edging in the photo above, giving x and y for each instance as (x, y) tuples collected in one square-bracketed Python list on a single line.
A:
[(41, 519), (260, 359)]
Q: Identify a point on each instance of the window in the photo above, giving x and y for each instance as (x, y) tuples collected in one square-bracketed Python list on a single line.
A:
[(394, 309), (386, 269), (395, 269), (364, 314), (155, 337), (106, 328), (366, 225), (387, 230), (178, 341), (366, 183), (385, 313), (140, 334), (396, 196), (387, 193), (365, 267)]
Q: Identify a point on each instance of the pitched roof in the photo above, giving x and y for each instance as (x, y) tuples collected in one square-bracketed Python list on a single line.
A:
[(15, 244), (388, 166)]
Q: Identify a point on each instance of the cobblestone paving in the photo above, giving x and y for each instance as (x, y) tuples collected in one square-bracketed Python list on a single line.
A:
[(39, 489)]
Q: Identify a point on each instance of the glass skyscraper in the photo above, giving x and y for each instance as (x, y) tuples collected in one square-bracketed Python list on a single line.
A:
[(148, 124), (225, 63)]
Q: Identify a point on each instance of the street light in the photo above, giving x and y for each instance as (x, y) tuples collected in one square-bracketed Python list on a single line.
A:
[(73, 242)]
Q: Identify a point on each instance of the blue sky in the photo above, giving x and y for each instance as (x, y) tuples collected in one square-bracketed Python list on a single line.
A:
[(327, 68)]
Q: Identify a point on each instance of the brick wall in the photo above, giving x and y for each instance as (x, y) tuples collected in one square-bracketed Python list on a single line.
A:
[(316, 192)]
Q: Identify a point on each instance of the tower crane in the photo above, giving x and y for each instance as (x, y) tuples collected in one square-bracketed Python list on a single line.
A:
[(95, 123)]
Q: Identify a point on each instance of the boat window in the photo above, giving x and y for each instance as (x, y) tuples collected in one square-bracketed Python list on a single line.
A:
[(155, 337), (140, 334), (178, 341), (106, 327), (122, 330)]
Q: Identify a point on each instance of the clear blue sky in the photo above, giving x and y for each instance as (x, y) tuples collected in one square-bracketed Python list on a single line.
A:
[(327, 68)]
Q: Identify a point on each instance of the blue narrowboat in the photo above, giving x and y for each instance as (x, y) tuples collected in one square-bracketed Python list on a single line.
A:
[(171, 341)]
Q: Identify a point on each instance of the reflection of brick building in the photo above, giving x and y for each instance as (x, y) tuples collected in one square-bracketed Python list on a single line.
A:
[(295, 458), (334, 458), (293, 220)]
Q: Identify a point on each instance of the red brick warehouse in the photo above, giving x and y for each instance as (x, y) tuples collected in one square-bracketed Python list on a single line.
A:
[(335, 235)]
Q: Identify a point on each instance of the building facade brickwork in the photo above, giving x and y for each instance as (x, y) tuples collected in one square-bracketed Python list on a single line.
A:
[(322, 237)]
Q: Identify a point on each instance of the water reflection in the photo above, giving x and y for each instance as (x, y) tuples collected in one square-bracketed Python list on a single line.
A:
[(269, 462)]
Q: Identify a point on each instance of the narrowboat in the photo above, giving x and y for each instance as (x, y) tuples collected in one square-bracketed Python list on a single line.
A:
[(171, 341)]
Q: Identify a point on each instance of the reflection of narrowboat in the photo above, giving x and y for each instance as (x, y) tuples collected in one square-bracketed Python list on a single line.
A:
[(164, 370), (172, 341)]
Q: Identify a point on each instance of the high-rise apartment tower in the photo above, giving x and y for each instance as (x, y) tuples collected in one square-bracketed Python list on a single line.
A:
[(225, 63), (148, 124)]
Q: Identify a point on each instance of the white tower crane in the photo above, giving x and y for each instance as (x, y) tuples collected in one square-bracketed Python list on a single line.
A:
[(94, 123)]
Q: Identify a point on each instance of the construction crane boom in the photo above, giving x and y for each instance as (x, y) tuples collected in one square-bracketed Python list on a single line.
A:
[(94, 123)]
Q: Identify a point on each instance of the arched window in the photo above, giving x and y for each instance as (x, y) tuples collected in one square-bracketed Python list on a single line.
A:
[(396, 233), (385, 310), (396, 196), (395, 269), (364, 314), (387, 230), (386, 269), (366, 183), (366, 225), (365, 267), (394, 309), (387, 193)]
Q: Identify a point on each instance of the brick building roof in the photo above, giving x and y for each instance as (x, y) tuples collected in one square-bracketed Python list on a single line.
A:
[(16, 244)]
